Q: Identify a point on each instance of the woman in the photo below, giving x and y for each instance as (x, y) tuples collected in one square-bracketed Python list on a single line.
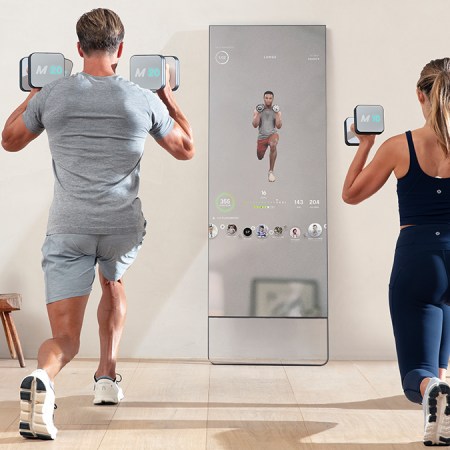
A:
[(419, 288)]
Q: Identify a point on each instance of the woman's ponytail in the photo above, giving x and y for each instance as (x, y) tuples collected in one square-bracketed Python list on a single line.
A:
[(434, 82), (439, 118)]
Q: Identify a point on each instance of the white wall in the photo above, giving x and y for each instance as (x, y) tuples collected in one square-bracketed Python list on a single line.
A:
[(375, 51)]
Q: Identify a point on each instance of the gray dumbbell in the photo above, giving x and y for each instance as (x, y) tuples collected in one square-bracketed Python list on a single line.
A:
[(149, 71), (41, 68), (367, 119), (260, 108), (275, 108), (174, 70)]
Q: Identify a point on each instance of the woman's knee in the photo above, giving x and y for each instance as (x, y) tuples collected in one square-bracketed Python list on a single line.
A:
[(413, 396), (411, 384)]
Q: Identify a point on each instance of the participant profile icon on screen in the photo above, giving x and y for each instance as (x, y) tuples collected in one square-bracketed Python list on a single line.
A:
[(247, 232), (295, 232), (231, 229), (212, 231), (314, 230), (262, 231), (278, 231)]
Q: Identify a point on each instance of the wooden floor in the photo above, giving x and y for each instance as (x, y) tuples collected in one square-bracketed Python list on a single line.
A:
[(196, 405)]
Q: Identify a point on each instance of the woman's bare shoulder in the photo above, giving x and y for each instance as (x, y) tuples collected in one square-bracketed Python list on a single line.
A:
[(395, 144)]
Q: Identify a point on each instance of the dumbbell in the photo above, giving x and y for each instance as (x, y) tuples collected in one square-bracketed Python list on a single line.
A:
[(41, 68), (260, 108), (149, 71), (367, 119), (174, 70)]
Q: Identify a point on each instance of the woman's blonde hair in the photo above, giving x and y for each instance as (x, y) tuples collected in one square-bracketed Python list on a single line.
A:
[(434, 82), (100, 30)]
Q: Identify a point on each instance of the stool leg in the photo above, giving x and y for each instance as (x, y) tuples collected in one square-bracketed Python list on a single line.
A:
[(15, 339), (8, 336)]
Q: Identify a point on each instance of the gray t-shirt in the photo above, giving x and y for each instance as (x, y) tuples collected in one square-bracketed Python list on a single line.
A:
[(267, 124), (96, 129)]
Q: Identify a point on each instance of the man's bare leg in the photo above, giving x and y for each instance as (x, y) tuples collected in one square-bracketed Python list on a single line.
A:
[(37, 396), (66, 319), (111, 315), (272, 156)]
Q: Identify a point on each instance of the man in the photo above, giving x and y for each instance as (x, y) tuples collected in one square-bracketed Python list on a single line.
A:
[(267, 118), (232, 229), (97, 124), (262, 231)]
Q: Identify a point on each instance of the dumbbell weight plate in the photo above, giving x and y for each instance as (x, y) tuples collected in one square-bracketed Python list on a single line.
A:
[(369, 119)]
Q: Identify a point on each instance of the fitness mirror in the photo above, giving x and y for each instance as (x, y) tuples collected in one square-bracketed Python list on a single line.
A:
[(267, 195)]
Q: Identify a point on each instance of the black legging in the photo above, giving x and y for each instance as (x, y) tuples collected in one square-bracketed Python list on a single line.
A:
[(419, 295)]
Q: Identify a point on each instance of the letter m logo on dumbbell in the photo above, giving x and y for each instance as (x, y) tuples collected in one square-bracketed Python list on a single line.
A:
[(41, 70), (365, 118), (140, 72)]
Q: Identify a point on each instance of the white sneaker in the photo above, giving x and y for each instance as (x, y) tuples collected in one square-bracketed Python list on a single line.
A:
[(271, 176), (107, 391), (436, 408), (37, 406)]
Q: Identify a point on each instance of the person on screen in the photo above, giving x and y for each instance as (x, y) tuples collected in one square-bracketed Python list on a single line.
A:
[(261, 233), (419, 287), (268, 121), (212, 231), (232, 229), (315, 230)]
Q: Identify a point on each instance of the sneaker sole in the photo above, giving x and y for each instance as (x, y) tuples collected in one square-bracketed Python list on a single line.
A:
[(32, 398), (444, 428), (107, 400), (437, 431)]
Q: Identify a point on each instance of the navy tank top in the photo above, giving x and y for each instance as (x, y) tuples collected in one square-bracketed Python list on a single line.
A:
[(422, 199)]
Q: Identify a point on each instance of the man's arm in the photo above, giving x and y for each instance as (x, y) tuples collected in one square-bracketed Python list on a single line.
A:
[(278, 122), (179, 142), (16, 135), (256, 119)]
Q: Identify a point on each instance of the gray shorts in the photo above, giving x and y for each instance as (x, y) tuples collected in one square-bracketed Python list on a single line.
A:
[(69, 261)]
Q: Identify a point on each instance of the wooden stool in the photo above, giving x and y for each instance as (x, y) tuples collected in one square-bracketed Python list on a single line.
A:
[(9, 303)]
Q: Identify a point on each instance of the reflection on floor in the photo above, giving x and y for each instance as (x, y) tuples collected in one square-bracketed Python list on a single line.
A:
[(195, 405)]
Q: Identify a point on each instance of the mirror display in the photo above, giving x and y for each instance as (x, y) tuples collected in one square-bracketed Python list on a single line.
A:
[(267, 172)]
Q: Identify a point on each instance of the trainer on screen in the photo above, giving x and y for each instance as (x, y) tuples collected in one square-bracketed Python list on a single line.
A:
[(267, 118)]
